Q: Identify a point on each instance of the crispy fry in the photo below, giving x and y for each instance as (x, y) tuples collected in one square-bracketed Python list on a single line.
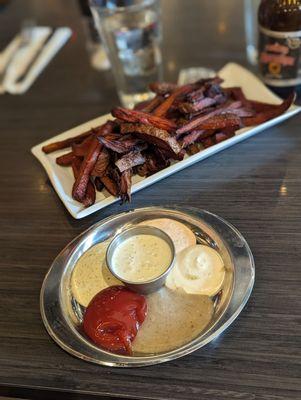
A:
[(186, 107), (83, 178), (193, 115), (102, 163), (115, 145), (192, 138), (208, 142), (149, 105), (119, 144), (196, 136), (243, 112), (98, 184), (154, 103), (99, 130), (106, 128), (110, 185), (143, 118), (163, 108), (258, 106), (193, 148), (250, 107), (142, 170), (189, 126), (152, 164), (90, 195), (221, 121), (209, 88), (229, 132), (237, 94), (80, 149), (220, 137), (268, 114), (66, 159), (130, 160), (49, 148), (115, 175), (177, 121), (140, 106), (162, 157), (153, 135), (125, 185), (196, 95)]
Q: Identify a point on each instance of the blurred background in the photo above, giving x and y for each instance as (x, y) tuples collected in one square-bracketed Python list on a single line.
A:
[(80, 71)]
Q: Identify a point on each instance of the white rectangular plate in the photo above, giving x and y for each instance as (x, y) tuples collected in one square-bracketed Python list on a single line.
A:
[(62, 177)]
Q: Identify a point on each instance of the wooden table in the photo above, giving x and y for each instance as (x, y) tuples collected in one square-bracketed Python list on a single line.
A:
[(256, 185)]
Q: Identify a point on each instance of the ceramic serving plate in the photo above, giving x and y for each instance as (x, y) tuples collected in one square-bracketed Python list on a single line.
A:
[(62, 177), (62, 315)]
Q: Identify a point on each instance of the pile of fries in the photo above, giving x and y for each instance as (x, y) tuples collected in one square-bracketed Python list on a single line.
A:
[(179, 120)]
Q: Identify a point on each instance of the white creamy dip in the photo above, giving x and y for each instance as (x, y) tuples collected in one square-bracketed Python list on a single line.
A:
[(198, 269), (141, 258)]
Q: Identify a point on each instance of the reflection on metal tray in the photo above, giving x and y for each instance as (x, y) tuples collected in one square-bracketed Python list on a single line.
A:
[(62, 315)]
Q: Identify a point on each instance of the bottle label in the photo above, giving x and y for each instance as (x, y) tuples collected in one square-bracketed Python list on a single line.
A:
[(279, 57)]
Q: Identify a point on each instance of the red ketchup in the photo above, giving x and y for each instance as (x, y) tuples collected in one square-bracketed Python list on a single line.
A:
[(113, 317)]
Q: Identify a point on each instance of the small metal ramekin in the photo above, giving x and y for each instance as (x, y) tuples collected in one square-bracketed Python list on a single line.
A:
[(144, 287)]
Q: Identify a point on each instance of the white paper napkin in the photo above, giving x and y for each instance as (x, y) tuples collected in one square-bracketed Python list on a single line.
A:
[(37, 47)]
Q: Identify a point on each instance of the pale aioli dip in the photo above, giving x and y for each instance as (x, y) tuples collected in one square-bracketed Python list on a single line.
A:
[(141, 258)]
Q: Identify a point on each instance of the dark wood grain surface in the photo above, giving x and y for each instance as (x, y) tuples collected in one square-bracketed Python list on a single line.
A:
[(256, 185)]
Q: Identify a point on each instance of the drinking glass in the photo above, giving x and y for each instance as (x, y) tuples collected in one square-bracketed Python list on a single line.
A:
[(131, 33), (251, 29)]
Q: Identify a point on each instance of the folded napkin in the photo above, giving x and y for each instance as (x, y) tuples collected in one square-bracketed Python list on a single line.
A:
[(30, 59)]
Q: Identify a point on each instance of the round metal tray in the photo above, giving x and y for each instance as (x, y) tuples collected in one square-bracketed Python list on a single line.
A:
[(62, 315)]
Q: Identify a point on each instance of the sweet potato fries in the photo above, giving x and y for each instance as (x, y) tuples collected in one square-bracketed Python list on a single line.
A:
[(178, 121)]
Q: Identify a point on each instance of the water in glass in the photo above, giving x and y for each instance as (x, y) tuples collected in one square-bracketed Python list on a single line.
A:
[(132, 36)]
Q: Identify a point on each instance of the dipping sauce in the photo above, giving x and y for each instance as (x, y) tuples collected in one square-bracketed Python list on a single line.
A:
[(179, 233), (173, 319), (141, 258), (198, 269), (91, 274), (113, 317)]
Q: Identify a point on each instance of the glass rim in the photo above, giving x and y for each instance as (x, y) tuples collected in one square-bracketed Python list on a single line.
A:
[(122, 9)]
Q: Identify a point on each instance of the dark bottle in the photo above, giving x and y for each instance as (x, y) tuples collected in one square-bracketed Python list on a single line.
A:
[(279, 48)]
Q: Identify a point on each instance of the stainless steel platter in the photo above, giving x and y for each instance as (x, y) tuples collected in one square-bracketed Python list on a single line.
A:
[(62, 315)]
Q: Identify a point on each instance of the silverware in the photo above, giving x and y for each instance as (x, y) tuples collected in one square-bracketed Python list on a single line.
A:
[(147, 286), (34, 58), (25, 38)]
